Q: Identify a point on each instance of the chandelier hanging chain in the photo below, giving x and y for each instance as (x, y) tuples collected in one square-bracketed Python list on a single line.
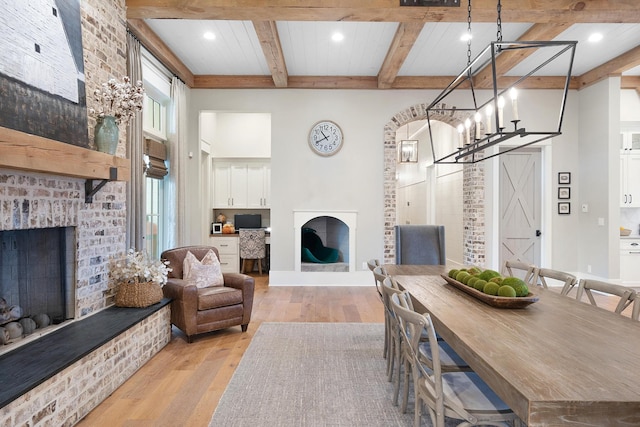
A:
[(469, 33), (499, 22)]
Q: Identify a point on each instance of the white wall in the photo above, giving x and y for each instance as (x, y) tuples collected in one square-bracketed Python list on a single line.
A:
[(353, 179), (234, 134), (599, 155)]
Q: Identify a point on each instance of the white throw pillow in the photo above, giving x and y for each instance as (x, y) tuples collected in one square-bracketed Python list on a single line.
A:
[(204, 273)]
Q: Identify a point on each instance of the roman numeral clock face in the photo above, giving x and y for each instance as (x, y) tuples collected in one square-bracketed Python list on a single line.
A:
[(325, 138)]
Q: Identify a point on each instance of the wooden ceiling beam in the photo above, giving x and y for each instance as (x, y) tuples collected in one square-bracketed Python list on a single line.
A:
[(404, 39), (267, 33), (542, 11), (160, 50), (506, 60), (630, 82), (617, 65), (360, 82)]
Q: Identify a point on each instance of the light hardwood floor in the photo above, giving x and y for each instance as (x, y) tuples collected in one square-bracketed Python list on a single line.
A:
[(182, 384)]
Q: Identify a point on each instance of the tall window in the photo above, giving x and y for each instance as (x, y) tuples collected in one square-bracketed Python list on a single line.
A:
[(157, 96), (154, 226)]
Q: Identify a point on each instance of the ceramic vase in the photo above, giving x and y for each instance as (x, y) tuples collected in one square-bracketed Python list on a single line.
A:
[(107, 134)]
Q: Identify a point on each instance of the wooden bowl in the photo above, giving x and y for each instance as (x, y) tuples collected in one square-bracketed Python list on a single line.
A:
[(493, 301)]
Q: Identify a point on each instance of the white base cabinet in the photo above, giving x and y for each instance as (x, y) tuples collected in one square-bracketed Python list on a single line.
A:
[(229, 250)]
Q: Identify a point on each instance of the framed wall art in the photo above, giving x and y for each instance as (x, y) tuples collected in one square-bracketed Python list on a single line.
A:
[(564, 208), (564, 177), (564, 192)]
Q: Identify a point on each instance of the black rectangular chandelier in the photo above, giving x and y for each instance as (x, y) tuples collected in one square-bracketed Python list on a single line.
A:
[(486, 125)]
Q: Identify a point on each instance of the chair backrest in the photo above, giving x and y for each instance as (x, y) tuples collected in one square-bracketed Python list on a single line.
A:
[(412, 325), (522, 270), (378, 276), (176, 257), (627, 295), (568, 280), (252, 243), (420, 244), (373, 263), (388, 289)]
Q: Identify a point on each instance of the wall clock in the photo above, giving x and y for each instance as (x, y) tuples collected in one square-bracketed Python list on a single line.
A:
[(325, 138)]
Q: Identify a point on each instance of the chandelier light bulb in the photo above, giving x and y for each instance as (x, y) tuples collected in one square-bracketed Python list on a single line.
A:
[(488, 112), (514, 102), (500, 112)]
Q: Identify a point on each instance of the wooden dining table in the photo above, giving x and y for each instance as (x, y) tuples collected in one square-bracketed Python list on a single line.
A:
[(556, 362)]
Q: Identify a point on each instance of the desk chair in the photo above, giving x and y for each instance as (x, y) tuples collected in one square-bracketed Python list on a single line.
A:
[(252, 246), (420, 244), (627, 295)]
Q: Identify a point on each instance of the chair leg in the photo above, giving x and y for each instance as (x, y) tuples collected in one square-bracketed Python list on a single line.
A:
[(242, 267), (407, 378), (260, 266), (244, 327)]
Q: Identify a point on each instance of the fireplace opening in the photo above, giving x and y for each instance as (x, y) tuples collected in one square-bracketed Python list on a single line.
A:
[(37, 268), (325, 245)]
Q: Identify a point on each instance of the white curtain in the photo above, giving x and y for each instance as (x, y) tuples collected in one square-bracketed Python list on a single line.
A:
[(175, 192), (135, 149)]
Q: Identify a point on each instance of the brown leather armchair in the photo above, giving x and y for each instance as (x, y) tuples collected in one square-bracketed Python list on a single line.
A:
[(198, 310)]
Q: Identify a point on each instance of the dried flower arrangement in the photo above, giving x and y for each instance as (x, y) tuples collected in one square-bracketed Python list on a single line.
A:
[(137, 267), (120, 100)]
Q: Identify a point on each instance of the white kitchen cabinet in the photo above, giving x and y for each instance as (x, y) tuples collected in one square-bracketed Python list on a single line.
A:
[(241, 185), (630, 180), (630, 142), (629, 258), (258, 185), (228, 249)]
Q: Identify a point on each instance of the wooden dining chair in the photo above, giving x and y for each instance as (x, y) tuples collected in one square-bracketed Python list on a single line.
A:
[(460, 395), (627, 295), (450, 361), (389, 288), (522, 270), (568, 281), (378, 276)]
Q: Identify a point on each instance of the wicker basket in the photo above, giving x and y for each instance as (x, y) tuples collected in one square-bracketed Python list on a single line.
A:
[(138, 294)]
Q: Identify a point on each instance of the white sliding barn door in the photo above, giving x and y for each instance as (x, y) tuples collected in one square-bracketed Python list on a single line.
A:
[(520, 206)]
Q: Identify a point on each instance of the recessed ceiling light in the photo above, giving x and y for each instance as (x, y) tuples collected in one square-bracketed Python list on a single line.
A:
[(595, 37), (465, 37), (337, 37), (209, 35)]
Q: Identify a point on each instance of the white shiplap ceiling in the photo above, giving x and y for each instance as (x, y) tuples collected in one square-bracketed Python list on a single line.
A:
[(268, 47)]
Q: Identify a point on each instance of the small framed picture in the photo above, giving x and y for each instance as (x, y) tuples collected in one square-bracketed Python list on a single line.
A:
[(564, 208), (564, 192), (564, 177), (408, 151), (216, 228)]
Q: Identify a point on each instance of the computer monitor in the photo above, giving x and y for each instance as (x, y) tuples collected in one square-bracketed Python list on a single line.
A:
[(247, 221)]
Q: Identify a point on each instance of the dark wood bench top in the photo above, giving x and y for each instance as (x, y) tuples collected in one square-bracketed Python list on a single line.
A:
[(32, 364)]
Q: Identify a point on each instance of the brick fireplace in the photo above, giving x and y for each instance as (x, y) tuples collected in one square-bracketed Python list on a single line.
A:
[(32, 201)]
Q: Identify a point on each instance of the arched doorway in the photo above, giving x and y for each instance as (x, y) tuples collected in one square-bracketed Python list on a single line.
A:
[(473, 187)]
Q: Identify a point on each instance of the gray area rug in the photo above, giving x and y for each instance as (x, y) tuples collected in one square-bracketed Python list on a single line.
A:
[(312, 374)]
